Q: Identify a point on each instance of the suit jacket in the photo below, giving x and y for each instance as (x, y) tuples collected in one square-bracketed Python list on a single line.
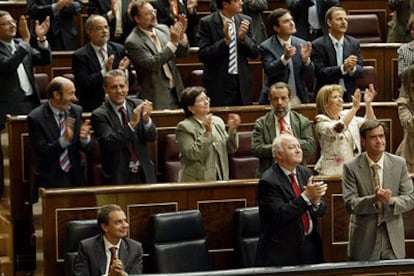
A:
[(9, 78), (163, 16), (113, 139), (44, 136), (66, 29), (280, 211), (255, 10), (198, 150), (88, 77), (358, 189), (153, 84), (299, 10), (271, 52), (92, 261), (327, 70), (214, 54), (102, 7), (397, 27), (264, 133)]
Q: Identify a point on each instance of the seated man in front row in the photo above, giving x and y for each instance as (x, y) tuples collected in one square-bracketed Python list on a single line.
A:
[(110, 253)]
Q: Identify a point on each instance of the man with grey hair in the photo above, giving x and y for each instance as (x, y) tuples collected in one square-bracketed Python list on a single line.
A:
[(93, 60), (111, 253), (289, 204), (281, 119)]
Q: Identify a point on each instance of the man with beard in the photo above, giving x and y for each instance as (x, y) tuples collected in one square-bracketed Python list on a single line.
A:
[(280, 120), (56, 135), (337, 56), (377, 190), (111, 253), (91, 62), (285, 57)]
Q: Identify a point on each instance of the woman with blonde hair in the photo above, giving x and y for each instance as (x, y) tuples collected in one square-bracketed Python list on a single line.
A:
[(406, 113), (336, 129)]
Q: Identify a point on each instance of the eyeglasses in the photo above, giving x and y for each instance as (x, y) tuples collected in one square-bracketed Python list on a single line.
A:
[(203, 99), (8, 23)]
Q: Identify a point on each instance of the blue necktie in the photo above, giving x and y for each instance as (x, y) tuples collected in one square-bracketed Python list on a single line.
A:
[(340, 61)]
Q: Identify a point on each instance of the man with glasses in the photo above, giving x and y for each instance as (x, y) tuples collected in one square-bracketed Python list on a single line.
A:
[(91, 62), (152, 48), (226, 42), (20, 93)]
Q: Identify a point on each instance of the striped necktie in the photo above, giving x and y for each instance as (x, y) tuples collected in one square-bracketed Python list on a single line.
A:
[(64, 161), (232, 50)]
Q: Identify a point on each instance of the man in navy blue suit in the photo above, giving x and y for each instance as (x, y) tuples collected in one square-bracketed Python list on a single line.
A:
[(337, 56)]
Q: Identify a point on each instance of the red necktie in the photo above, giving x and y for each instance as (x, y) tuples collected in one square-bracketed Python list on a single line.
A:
[(296, 190), (124, 117), (113, 255), (282, 124)]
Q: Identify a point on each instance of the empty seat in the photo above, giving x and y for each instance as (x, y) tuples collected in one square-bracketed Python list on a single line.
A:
[(69, 76), (243, 163), (246, 235), (367, 78), (364, 27), (42, 81), (77, 230), (179, 243), (172, 163)]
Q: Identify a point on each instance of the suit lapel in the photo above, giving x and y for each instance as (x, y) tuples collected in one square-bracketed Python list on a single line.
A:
[(123, 252), (387, 178), (271, 126), (294, 124), (285, 183), (50, 122), (366, 174), (101, 255), (94, 59), (147, 41)]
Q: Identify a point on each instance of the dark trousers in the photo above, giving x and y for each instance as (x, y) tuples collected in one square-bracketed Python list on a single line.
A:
[(232, 95)]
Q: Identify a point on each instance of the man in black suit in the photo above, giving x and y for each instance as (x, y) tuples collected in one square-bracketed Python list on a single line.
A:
[(20, 93), (288, 209), (227, 83), (309, 16), (123, 128), (57, 135), (112, 252), (337, 57), (117, 14), (63, 34), (91, 62)]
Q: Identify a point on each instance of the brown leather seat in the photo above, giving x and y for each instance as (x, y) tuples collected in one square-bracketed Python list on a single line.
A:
[(172, 163), (243, 163), (369, 76), (196, 78), (42, 80), (69, 76), (364, 27)]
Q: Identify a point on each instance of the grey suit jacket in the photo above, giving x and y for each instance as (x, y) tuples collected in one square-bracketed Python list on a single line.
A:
[(153, 84), (113, 140), (198, 150), (327, 70), (397, 27), (271, 52), (92, 261), (264, 133), (358, 189)]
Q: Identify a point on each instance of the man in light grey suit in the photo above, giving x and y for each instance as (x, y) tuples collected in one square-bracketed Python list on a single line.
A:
[(109, 253), (285, 57), (377, 190), (152, 48), (268, 127)]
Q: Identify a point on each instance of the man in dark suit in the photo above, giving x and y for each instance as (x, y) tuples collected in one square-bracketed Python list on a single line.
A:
[(123, 128), (63, 34), (285, 58), (168, 11), (337, 57), (152, 48), (117, 14), (288, 209), (92, 61), (57, 135), (20, 93), (111, 253), (227, 83), (377, 190), (309, 16)]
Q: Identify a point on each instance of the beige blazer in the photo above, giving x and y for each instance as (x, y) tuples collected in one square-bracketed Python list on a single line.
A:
[(406, 112), (198, 151)]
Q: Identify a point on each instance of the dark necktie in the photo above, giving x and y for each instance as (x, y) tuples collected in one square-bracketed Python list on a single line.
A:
[(124, 117), (113, 255), (64, 161), (296, 190)]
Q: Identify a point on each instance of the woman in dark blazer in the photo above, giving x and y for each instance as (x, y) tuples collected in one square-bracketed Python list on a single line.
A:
[(202, 139)]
